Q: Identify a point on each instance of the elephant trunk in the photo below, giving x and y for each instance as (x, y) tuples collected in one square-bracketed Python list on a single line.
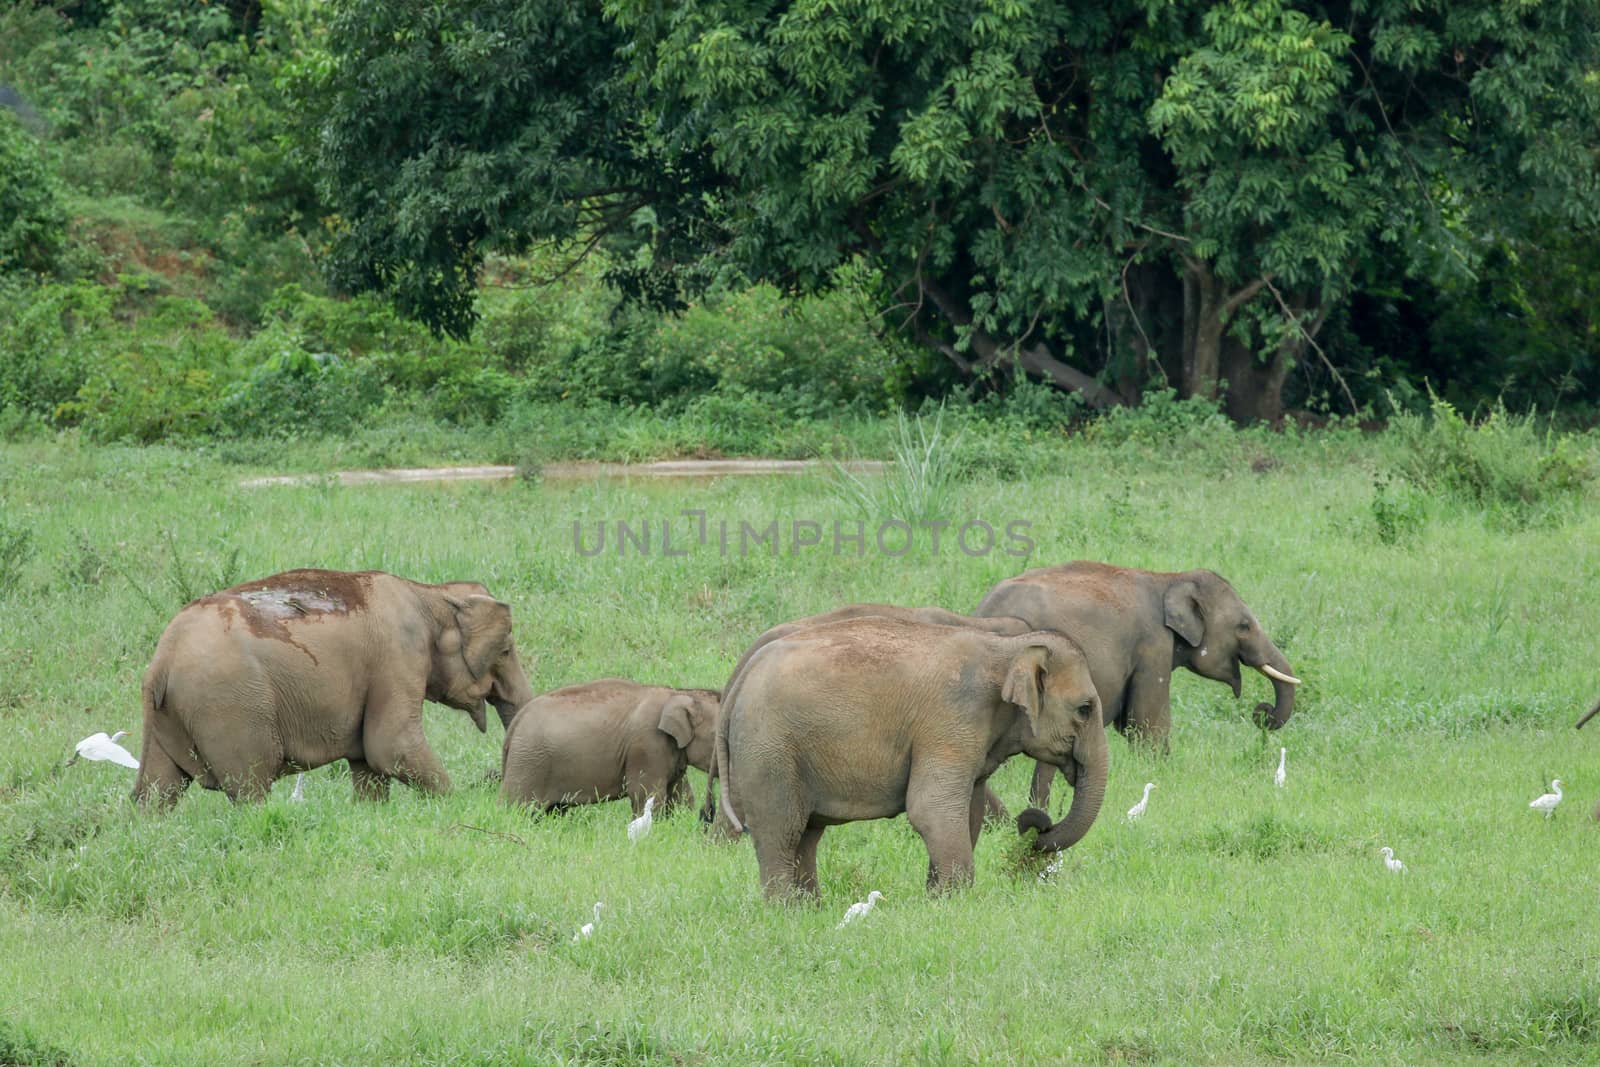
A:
[(1088, 793), (511, 692), (1284, 683)]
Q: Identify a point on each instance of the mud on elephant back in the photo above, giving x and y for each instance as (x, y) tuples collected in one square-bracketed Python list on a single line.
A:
[(303, 668), (871, 717), (1137, 627)]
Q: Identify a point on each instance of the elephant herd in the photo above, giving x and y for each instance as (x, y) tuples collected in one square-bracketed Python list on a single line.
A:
[(864, 712)]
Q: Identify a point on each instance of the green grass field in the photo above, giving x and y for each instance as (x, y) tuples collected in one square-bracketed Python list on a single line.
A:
[(1236, 923)]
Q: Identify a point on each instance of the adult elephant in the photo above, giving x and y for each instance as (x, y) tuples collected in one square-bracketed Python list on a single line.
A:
[(306, 667), (608, 739), (1137, 627), (871, 717), (927, 616)]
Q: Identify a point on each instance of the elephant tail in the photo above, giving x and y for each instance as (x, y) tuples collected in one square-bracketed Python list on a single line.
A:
[(1589, 715), (722, 766)]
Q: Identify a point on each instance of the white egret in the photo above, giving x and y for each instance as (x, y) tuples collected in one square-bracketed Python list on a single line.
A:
[(1138, 809), (587, 929), (860, 908), (641, 826), (1390, 862), (1548, 802), (1278, 778), (299, 793), (100, 747)]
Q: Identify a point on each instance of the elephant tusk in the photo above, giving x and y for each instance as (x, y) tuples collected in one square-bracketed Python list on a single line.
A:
[(1278, 676)]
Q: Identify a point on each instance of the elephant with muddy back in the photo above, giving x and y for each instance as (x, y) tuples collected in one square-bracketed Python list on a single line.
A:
[(871, 717), (1137, 627), (608, 739), (306, 667), (929, 616)]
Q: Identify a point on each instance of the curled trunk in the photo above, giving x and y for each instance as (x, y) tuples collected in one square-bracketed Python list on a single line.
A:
[(1088, 793), (1277, 713)]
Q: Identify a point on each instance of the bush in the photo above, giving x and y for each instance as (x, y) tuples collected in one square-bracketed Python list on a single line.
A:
[(292, 391), (164, 380), (816, 354), (1163, 419), (1503, 464), (33, 224), (51, 335)]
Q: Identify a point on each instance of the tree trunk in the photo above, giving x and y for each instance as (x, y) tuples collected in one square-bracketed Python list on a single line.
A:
[(1209, 310), (1255, 388)]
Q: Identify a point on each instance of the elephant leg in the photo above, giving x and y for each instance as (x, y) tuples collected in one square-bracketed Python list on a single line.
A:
[(393, 744), (778, 828), (681, 794), (805, 863), (778, 861), (369, 784), (1039, 791), (1148, 706), (940, 810), (161, 781)]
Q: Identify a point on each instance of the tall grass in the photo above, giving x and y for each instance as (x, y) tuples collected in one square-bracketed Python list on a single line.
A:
[(1234, 923), (918, 485)]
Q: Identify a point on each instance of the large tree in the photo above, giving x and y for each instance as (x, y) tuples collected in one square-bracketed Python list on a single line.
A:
[(1100, 194)]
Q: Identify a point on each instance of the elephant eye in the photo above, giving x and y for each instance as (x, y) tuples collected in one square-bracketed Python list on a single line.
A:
[(1086, 709)]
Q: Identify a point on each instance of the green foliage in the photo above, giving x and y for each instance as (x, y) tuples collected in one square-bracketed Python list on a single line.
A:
[(291, 390), (813, 355), (1502, 464), (1163, 420), (1398, 510), (20, 1047), (160, 381), (51, 335), (444, 137), (33, 224)]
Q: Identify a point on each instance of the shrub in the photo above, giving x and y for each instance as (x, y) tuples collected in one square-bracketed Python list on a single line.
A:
[(1503, 463), (50, 337), (33, 224), (916, 487), (816, 354), (292, 391), (1163, 419), (165, 379)]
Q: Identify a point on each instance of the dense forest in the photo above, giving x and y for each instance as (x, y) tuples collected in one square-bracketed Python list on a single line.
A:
[(258, 218)]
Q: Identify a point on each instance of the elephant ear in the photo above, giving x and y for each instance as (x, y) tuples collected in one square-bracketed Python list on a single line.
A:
[(1184, 617), (483, 624), (1025, 681), (675, 719)]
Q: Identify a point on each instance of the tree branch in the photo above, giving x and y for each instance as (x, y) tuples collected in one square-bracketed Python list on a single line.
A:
[(1310, 338)]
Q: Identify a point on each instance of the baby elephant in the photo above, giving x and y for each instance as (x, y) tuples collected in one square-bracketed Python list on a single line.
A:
[(872, 717), (608, 739)]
